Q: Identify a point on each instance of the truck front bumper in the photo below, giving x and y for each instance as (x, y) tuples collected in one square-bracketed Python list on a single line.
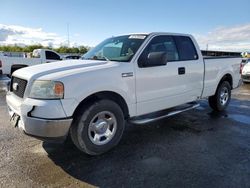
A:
[(44, 128), (246, 78)]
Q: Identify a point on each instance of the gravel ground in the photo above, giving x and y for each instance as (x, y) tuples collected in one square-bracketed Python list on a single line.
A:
[(198, 148)]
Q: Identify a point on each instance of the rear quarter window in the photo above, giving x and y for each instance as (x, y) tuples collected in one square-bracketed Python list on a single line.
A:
[(52, 55), (186, 48)]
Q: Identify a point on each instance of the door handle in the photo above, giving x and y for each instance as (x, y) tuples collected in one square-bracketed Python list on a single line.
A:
[(181, 70)]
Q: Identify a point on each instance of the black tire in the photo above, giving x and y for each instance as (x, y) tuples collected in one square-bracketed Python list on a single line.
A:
[(80, 130), (217, 102)]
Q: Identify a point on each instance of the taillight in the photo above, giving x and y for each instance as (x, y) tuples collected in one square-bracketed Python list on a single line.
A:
[(241, 67)]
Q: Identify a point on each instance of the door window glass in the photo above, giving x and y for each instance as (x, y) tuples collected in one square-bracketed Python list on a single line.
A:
[(186, 48), (52, 55), (163, 44)]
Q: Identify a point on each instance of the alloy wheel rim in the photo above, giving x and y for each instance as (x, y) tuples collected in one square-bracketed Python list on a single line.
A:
[(224, 95), (102, 128)]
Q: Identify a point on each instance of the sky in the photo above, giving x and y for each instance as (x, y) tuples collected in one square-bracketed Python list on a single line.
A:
[(216, 24)]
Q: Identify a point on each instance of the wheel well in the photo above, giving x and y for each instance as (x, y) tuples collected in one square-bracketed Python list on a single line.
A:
[(106, 95), (228, 78), (16, 67)]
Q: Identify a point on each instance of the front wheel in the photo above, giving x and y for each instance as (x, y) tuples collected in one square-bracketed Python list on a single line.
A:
[(98, 127), (222, 97)]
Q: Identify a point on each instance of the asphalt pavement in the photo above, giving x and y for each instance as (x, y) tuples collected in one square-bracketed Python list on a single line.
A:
[(198, 148)]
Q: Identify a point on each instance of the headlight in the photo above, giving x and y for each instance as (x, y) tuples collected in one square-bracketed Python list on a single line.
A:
[(47, 90)]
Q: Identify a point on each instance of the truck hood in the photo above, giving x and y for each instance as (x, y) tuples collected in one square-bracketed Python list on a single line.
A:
[(60, 68)]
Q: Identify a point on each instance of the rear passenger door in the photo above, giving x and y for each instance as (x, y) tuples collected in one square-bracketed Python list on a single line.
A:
[(177, 82)]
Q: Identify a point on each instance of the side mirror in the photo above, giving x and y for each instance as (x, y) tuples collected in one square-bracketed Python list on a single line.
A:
[(153, 59)]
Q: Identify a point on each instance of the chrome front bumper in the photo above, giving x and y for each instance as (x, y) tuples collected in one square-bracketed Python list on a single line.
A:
[(42, 128), (46, 128), (246, 78)]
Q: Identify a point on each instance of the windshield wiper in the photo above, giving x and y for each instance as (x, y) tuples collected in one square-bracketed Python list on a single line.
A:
[(87, 58), (105, 58), (101, 58), (97, 58)]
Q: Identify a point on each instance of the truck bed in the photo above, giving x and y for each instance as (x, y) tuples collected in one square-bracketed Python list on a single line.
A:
[(7, 62), (217, 66)]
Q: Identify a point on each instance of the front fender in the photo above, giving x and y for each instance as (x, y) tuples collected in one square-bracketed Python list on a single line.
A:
[(79, 87)]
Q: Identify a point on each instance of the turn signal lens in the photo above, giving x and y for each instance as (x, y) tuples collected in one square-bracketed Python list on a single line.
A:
[(241, 67), (59, 89)]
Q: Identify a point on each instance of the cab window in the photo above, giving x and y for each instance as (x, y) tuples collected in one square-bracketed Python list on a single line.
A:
[(162, 44), (52, 55), (186, 48)]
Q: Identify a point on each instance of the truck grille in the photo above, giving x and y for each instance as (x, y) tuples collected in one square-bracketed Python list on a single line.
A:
[(18, 86), (246, 77)]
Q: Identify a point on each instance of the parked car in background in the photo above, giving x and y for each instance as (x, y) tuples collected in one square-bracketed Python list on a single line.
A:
[(72, 57), (245, 70), (10, 64), (244, 61), (2, 53)]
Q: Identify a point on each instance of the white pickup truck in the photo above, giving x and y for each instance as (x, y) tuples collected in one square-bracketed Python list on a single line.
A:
[(138, 78), (10, 64)]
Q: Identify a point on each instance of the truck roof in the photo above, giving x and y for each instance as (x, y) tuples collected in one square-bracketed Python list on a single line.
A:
[(157, 33), (168, 33)]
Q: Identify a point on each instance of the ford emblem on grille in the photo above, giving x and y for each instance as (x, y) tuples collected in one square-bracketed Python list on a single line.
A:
[(15, 86)]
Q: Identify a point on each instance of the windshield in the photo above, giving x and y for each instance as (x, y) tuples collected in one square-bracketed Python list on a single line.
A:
[(121, 48)]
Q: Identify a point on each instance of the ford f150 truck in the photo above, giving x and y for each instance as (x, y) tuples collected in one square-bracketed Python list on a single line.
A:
[(10, 64), (138, 78)]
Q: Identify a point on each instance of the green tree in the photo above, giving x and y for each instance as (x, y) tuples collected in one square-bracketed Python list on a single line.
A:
[(30, 48), (83, 49)]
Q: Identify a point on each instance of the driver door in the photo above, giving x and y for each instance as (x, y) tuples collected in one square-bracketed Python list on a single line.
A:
[(164, 86)]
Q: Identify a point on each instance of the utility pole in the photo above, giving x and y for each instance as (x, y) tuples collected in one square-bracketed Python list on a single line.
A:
[(68, 34), (207, 48)]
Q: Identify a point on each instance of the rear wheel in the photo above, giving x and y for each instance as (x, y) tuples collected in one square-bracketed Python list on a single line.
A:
[(98, 127), (222, 97)]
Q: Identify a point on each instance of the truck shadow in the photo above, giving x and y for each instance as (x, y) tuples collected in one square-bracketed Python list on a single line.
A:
[(151, 153)]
